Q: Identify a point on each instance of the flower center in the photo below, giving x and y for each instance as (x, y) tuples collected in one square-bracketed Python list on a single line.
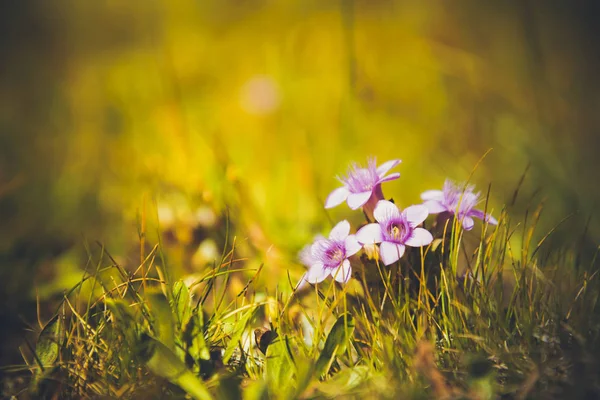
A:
[(335, 255), (396, 231), (460, 200), (360, 179)]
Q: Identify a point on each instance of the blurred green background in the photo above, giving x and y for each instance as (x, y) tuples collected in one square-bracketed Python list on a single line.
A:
[(192, 113)]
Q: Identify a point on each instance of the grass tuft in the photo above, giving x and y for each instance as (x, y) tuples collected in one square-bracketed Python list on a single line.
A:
[(473, 315)]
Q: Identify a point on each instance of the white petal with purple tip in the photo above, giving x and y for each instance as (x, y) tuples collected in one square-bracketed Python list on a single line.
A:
[(420, 237), (390, 252), (432, 195), (390, 177), (337, 197), (370, 234), (386, 166), (416, 214), (342, 273), (357, 200), (491, 220), (486, 217), (468, 223), (340, 231), (352, 246), (317, 273), (384, 210)]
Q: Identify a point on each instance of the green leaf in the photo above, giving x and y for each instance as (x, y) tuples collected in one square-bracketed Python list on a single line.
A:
[(162, 317), (49, 342), (280, 368), (238, 331), (181, 303), (345, 381), (47, 350), (305, 370), (193, 339), (336, 343), (163, 362), (256, 390)]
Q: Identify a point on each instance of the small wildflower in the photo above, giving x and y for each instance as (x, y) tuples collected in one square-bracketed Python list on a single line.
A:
[(306, 258), (456, 200), (395, 230), (330, 256), (362, 186)]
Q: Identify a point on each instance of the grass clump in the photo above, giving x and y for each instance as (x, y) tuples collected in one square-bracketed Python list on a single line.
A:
[(475, 314)]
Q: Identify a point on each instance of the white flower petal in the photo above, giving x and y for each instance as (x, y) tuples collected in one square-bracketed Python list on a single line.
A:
[(317, 248), (432, 195), (337, 197), (390, 177), (486, 217), (386, 166), (390, 252), (342, 273), (416, 214), (384, 210), (468, 223), (370, 234), (305, 255), (357, 200), (434, 207), (317, 273), (352, 246), (491, 220), (340, 231), (420, 237)]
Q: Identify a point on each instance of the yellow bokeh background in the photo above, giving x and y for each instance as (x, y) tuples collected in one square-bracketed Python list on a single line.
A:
[(255, 106)]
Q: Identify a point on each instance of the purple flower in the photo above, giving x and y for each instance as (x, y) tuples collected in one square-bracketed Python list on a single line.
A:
[(330, 256), (395, 230), (362, 186), (457, 200)]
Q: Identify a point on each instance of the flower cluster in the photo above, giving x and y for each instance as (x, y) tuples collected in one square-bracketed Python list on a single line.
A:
[(388, 226)]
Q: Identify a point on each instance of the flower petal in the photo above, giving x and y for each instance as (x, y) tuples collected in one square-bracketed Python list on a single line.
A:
[(416, 214), (337, 197), (390, 252), (483, 216), (420, 237), (434, 206), (357, 200), (491, 220), (386, 166), (340, 231), (432, 195), (305, 255), (342, 273), (385, 210), (317, 273), (468, 223), (370, 234), (352, 245), (318, 247), (390, 177)]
